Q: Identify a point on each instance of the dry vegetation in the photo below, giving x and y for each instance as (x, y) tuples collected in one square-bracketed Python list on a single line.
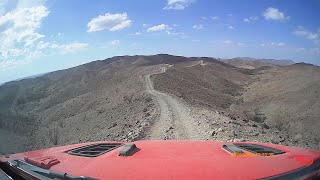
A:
[(106, 100), (102, 100), (280, 99)]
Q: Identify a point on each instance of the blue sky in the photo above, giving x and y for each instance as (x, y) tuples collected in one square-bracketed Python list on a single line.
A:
[(39, 36)]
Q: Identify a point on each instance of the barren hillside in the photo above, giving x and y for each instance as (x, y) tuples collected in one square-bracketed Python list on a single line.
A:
[(282, 100), (128, 98), (251, 63), (287, 98)]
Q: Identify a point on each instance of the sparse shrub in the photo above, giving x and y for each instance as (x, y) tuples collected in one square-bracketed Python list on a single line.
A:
[(317, 139), (16, 121), (148, 99), (100, 110), (236, 93), (61, 123), (279, 118), (54, 135), (239, 101), (21, 101), (182, 95), (259, 116), (128, 98)]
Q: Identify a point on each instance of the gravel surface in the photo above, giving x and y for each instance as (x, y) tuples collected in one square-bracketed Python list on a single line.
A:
[(175, 121)]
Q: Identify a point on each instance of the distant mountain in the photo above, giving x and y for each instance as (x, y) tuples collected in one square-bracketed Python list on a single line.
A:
[(28, 77), (253, 63)]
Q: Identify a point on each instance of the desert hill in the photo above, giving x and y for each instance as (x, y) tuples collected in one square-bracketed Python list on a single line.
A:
[(109, 100)]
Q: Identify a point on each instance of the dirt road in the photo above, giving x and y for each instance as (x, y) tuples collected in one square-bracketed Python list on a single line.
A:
[(175, 121)]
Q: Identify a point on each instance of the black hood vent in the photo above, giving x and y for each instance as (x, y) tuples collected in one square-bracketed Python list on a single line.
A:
[(259, 149), (94, 150)]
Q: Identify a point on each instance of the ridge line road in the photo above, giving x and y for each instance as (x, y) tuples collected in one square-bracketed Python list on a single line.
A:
[(175, 121)]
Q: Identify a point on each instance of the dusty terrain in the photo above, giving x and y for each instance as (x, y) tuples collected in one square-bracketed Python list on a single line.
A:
[(251, 63), (128, 98), (175, 121), (276, 105)]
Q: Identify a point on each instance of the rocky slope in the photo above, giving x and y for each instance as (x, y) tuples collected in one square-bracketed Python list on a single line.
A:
[(109, 100), (280, 103), (253, 63)]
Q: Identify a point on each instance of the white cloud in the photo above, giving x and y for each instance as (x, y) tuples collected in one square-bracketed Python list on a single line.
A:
[(111, 22), (311, 51), (20, 26), (274, 14), (250, 19), (302, 32), (178, 4), (43, 45), (2, 6), (276, 44), (315, 51), (240, 44), (135, 34), (230, 27), (19, 33), (115, 43), (198, 26), (4, 65), (227, 42), (181, 35), (215, 18), (204, 18), (70, 47), (160, 27), (20, 40), (134, 44), (272, 44)]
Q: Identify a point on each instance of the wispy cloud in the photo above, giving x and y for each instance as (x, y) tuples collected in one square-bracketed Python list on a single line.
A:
[(160, 27), (272, 44), (250, 19), (135, 34), (274, 14), (20, 27), (115, 42), (230, 43), (215, 18), (178, 4), (198, 26), (134, 44), (227, 42), (231, 27), (111, 22), (21, 41), (302, 32), (70, 47), (20, 32)]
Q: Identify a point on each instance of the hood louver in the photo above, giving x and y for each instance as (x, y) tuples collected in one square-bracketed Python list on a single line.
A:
[(259, 149), (94, 150)]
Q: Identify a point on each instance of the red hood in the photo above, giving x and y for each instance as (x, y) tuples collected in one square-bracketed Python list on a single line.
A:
[(174, 160)]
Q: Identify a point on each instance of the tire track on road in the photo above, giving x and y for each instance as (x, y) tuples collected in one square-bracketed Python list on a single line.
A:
[(175, 121)]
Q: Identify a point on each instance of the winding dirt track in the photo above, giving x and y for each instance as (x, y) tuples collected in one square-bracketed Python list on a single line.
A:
[(175, 121)]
